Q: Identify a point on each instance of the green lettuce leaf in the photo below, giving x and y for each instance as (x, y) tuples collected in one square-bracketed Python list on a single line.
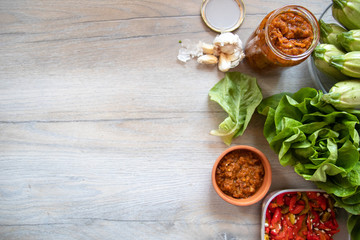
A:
[(318, 140), (239, 95), (353, 224)]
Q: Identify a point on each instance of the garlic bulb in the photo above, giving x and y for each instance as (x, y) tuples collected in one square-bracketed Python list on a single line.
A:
[(226, 50)]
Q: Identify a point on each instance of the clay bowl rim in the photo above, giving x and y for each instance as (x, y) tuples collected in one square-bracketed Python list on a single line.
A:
[(262, 191)]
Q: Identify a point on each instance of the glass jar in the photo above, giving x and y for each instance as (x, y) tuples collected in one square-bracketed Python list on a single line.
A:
[(285, 37)]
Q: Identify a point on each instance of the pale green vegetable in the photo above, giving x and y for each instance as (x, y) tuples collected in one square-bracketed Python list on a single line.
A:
[(329, 33), (353, 226), (239, 95), (348, 64), (320, 141), (344, 95), (350, 40), (322, 54), (347, 13)]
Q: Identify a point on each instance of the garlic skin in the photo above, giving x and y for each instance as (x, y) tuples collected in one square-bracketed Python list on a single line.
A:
[(207, 59), (189, 50), (228, 42)]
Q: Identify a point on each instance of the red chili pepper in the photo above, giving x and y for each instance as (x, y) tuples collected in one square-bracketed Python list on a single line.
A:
[(280, 199), (292, 203), (275, 224), (301, 202), (286, 231), (299, 225), (287, 198), (308, 223), (297, 209), (317, 200), (315, 217), (268, 215), (311, 195), (314, 204), (277, 216), (275, 229), (322, 201)]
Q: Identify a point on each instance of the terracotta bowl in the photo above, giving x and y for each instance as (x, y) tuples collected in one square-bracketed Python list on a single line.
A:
[(260, 193)]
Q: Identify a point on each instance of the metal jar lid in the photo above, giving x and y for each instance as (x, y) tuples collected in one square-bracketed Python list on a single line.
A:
[(223, 15)]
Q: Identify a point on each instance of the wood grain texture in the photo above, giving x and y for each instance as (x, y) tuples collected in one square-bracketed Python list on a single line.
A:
[(105, 135)]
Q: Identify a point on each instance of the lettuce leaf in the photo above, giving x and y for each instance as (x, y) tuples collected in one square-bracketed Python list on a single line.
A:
[(353, 224), (318, 140), (239, 95)]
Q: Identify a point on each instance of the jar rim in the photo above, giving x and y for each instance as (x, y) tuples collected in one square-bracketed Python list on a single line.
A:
[(214, 23), (309, 16)]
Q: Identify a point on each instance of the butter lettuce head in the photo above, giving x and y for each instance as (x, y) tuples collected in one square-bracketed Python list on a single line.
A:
[(318, 140), (239, 95)]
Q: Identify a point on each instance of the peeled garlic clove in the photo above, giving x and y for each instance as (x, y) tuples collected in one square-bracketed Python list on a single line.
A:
[(207, 48), (224, 64), (207, 59)]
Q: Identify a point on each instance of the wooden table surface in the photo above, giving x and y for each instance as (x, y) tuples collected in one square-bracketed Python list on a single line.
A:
[(104, 134)]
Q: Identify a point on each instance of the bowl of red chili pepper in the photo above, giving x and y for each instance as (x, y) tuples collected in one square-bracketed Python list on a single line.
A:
[(302, 214), (241, 175)]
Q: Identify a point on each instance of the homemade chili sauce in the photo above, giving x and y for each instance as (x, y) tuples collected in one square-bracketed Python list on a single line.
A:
[(240, 174), (285, 37), (290, 33)]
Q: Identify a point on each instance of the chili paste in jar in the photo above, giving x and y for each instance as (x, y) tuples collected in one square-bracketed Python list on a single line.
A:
[(291, 33), (240, 174), (284, 38)]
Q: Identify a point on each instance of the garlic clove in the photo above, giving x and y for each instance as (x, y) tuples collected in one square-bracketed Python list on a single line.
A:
[(207, 59), (207, 48), (224, 64)]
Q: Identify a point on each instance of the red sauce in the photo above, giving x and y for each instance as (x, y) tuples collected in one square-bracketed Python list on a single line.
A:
[(240, 174), (290, 33)]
